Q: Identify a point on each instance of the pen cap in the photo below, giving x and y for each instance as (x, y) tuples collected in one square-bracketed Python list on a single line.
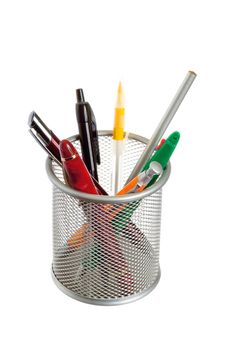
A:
[(76, 171), (67, 150), (163, 154), (168, 147)]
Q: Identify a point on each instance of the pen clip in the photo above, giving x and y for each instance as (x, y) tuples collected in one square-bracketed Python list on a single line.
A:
[(95, 141), (43, 144)]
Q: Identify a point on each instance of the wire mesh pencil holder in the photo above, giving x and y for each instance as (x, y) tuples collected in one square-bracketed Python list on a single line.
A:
[(106, 248)]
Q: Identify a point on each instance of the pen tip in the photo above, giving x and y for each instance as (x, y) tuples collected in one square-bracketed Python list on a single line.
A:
[(80, 95)]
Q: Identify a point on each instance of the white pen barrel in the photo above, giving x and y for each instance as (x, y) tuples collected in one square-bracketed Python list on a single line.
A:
[(118, 148)]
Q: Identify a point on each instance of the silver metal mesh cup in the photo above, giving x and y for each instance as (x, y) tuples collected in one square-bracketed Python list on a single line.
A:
[(106, 248)]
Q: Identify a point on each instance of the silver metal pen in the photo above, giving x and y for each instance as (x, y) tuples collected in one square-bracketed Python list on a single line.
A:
[(44, 136), (165, 121)]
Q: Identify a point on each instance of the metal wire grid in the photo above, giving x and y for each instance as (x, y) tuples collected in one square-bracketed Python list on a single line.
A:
[(106, 252), (133, 149)]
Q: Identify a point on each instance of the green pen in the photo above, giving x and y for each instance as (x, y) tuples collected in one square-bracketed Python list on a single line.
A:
[(162, 156)]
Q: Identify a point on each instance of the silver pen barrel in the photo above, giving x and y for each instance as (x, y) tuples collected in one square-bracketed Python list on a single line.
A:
[(165, 121)]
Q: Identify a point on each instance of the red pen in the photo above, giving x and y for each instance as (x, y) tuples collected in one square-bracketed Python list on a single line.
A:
[(50, 142), (113, 261), (76, 171)]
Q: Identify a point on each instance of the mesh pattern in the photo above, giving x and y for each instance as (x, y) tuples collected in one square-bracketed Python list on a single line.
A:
[(106, 251)]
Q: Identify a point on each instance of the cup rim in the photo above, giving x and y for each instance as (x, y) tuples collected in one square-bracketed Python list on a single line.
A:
[(131, 197)]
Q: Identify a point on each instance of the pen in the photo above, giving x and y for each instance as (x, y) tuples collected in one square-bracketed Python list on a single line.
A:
[(50, 143), (123, 214), (142, 180), (88, 134), (163, 154), (79, 178), (44, 136), (136, 185), (77, 175), (165, 121), (118, 140)]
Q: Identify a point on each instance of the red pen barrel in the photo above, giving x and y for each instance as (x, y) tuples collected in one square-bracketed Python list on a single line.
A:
[(53, 146), (76, 171)]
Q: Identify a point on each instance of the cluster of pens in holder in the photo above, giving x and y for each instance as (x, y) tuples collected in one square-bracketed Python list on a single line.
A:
[(105, 248)]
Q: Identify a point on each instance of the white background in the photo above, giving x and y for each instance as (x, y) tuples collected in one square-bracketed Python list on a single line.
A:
[(50, 48)]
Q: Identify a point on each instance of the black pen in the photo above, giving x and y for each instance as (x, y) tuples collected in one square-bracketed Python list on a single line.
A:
[(88, 134)]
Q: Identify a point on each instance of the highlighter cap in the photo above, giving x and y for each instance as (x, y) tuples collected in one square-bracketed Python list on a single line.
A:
[(164, 153), (173, 139)]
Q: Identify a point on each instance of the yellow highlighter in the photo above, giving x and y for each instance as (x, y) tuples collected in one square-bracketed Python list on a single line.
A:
[(118, 140)]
